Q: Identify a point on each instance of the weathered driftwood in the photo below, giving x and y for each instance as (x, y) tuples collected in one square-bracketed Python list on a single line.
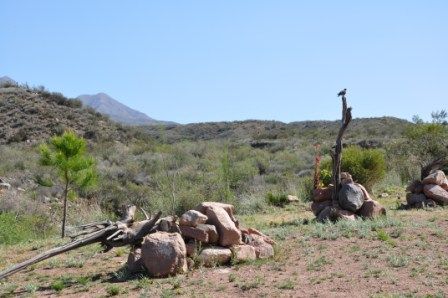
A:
[(336, 153), (120, 233)]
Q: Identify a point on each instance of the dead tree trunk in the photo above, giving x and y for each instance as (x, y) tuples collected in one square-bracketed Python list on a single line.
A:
[(121, 233), (336, 153), (437, 164)]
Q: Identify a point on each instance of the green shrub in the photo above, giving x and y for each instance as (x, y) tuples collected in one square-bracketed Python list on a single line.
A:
[(278, 200), (367, 166), (15, 229)]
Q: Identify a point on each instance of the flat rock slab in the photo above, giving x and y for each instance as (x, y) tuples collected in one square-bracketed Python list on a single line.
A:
[(437, 193), (192, 218), (243, 253), (437, 177), (194, 233), (213, 256)]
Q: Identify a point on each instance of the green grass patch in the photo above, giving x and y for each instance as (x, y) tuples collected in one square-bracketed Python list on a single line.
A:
[(15, 229)]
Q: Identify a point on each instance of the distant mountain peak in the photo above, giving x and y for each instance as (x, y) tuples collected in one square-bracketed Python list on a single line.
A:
[(105, 104), (6, 79)]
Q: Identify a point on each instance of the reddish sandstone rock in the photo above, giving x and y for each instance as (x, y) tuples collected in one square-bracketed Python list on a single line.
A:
[(371, 209), (266, 239), (364, 191), (437, 193), (444, 184), (317, 207), (212, 232), (263, 249), (194, 233), (164, 254), (229, 234), (322, 194), (230, 209), (192, 218), (213, 256), (192, 248), (134, 262), (436, 177), (345, 215), (243, 253)]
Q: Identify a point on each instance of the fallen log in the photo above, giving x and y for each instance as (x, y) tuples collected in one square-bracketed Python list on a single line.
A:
[(123, 232)]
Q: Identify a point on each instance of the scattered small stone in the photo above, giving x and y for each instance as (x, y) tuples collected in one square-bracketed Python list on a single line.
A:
[(292, 199), (5, 185)]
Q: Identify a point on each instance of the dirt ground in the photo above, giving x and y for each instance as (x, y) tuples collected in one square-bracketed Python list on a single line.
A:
[(402, 255)]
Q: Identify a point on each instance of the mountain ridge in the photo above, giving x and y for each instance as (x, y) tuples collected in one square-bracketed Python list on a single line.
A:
[(117, 111)]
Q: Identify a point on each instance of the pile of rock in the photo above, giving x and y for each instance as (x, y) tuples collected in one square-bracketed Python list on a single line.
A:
[(209, 235), (430, 192), (353, 201)]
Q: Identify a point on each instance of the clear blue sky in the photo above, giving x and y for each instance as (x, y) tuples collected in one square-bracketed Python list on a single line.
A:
[(194, 61)]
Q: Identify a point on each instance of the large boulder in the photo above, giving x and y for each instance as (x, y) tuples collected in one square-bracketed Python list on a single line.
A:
[(194, 233), (243, 253), (213, 256), (325, 214), (322, 194), (415, 198), (230, 209), (351, 197), (228, 232), (371, 209), (317, 207), (436, 177), (135, 262), (164, 254), (345, 215), (437, 193), (192, 218), (213, 236)]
